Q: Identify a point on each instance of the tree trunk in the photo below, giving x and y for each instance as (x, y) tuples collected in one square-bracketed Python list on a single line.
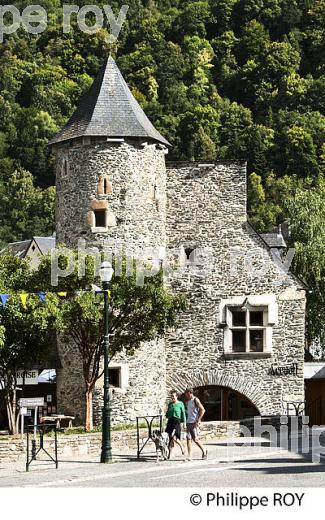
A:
[(10, 399), (89, 410)]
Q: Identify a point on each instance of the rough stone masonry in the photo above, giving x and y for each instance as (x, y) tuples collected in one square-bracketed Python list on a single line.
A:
[(246, 313)]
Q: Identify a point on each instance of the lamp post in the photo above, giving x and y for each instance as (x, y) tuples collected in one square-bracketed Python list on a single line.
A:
[(106, 273)]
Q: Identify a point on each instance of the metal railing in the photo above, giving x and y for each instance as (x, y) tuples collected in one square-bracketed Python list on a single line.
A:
[(35, 443), (297, 407), (149, 420)]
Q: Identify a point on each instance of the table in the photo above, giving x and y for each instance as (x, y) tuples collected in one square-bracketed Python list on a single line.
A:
[(57, 419)]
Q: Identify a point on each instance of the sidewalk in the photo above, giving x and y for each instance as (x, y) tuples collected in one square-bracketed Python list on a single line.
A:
[(43, 473)]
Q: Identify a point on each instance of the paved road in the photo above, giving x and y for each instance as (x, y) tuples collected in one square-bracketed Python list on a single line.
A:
[(245, 466)]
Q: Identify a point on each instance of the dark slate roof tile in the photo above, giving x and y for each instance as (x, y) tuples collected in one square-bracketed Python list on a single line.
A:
[(108, 109)]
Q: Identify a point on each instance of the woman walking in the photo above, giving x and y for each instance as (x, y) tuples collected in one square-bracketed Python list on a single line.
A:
[(175, 415)]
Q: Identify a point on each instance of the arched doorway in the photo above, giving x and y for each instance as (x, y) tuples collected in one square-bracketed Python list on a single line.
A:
[(224, 404)]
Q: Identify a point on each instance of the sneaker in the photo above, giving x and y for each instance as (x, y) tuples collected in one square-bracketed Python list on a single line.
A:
[(205, 455)]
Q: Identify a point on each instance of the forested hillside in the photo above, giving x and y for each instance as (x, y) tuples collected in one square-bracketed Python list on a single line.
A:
[(219, 78)]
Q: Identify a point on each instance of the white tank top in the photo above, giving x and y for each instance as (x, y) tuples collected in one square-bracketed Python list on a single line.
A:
[(192, 411)]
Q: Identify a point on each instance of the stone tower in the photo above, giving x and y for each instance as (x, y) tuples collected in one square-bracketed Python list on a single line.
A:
[(111, 187), (240, 343)]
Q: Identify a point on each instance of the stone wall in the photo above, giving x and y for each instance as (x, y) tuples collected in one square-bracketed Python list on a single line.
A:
[(258, 426), (137, 174), (70, 387), (136, 202), (13, 450), (207, 211), (146, 389)]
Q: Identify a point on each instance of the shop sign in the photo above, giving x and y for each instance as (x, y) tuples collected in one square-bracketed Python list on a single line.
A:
[(286, 370), (30, 377)]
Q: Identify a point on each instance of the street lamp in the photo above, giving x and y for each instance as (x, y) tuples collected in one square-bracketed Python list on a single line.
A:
[(106, 273)]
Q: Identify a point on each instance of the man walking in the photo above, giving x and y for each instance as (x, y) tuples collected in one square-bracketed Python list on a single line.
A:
[(195, 412)]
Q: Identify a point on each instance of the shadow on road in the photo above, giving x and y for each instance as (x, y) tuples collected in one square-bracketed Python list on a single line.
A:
[(116, 459), (292, 469)]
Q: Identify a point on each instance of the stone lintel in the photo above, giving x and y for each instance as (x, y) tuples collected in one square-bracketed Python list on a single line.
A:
[(99, 204)]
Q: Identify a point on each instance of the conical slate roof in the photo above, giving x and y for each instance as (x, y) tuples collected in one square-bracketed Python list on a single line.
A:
[(108, 109)]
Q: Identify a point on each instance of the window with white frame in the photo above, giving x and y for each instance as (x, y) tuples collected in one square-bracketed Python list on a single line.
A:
[(248, 323), (248, 329), (100, 218), (118, 376)]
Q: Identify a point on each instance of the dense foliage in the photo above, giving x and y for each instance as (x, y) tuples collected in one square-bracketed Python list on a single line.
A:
[(219, 78), (137, 314), (24, 330)]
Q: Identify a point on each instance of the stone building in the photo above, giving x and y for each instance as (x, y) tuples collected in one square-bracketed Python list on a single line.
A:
[(241, 341), (32, 249)]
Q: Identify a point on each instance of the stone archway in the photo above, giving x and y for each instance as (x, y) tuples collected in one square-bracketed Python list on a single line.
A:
[(224, 404), (197, 378)]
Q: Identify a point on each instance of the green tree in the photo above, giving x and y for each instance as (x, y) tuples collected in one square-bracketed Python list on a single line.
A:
[(34, 215), (24, 331), (306, 210), (219, 78), (268, 198), (137, 314)]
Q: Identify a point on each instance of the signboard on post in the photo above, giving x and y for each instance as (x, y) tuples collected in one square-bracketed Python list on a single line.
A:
[(31, 402), (27, 377)]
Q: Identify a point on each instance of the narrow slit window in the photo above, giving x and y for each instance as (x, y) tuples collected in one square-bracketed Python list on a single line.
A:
[(65, 167), (189, 254)]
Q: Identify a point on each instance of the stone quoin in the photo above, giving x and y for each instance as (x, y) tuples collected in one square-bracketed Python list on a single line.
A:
[(246, 312)]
